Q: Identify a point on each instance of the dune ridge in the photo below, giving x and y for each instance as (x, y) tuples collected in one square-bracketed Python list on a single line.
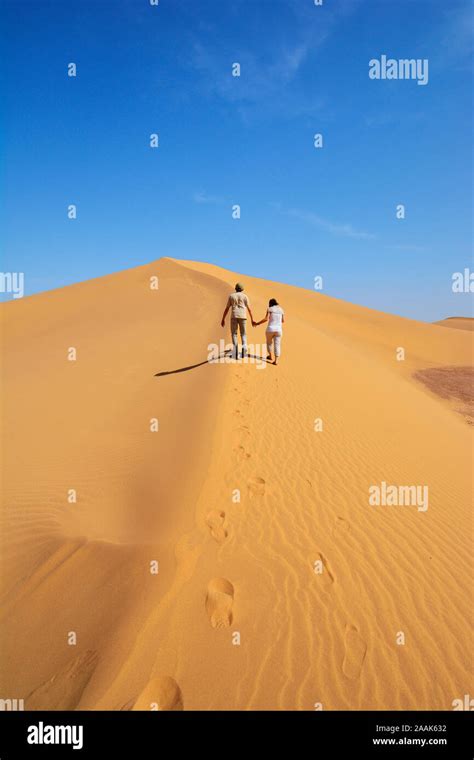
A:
[(230, 560), (458, 323)]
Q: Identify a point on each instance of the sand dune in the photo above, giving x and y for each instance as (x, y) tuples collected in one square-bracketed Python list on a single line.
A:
[(230, 559), (458, 323)]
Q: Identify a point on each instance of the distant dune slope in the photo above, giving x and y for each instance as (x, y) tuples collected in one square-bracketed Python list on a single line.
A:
[(279, 586), (459, 323)]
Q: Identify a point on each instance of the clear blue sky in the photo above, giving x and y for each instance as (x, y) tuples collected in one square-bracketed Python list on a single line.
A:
[(226, 140)]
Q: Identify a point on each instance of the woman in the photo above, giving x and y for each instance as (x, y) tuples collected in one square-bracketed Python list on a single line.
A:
[(275, 317)]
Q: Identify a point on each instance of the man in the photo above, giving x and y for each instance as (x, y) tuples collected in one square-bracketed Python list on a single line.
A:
[(240, 304)]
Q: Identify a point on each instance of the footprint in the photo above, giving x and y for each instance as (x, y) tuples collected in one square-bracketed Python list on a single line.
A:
[(215, 522), (219, 602), (161, 693), (355, 651), (256, 486), (241, 453), (322, 570), (341, 526)]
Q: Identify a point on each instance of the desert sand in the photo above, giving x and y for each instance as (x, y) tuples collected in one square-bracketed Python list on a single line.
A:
[(158, 587), (458, 323)]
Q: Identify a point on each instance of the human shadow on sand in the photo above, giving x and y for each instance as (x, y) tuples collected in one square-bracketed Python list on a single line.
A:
[(214, 360)]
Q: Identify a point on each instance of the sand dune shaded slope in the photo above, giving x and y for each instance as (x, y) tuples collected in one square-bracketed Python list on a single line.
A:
[(458, 323), (229, 559)]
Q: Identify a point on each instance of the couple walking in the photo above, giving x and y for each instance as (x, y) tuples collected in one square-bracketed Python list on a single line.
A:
[(239, 303)]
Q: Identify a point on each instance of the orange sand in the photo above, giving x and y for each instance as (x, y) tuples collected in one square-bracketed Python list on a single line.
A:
[(293, 596), (459, 323)]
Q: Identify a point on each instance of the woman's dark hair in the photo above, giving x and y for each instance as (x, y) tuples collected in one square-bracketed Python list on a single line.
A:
[(273, 302)]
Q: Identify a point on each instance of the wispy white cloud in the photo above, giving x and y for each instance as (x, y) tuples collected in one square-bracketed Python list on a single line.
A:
[(272, 66), (334, 228), (259, 81)]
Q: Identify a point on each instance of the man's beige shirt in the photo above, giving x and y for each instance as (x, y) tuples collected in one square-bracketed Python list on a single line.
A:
[(238, 303)]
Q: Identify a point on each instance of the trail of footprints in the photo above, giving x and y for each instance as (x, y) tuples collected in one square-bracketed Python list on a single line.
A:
[(220, 591), (164, 693)]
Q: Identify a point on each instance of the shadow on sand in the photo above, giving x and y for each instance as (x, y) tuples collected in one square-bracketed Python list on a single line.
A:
[(226, 354)]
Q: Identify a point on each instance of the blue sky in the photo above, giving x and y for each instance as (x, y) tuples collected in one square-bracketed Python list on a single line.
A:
[(244, 140)]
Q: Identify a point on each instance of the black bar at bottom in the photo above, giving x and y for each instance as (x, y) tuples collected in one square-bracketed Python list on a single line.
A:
[(147, 734)]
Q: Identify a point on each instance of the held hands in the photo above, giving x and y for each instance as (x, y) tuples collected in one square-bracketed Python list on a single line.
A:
[(254, 323)]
